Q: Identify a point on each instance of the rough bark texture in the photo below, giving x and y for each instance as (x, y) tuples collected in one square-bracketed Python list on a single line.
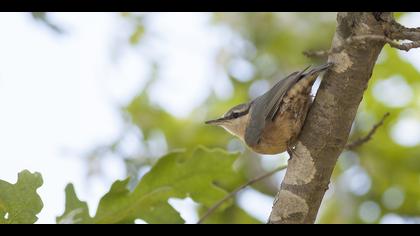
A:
[(328, 123)]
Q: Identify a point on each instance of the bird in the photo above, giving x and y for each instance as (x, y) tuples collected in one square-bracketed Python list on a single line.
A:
[(271, 123)]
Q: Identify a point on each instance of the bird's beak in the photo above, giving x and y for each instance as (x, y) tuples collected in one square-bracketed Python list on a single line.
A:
[(219, 121)]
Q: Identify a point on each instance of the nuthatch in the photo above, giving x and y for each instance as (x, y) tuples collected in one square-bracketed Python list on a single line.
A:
[(271, 123)]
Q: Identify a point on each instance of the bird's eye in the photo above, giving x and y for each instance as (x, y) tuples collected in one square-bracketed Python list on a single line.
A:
[(235, 115)]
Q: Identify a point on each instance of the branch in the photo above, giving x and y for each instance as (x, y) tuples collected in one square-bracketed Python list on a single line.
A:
[(407, 46), (382, 38), (234, 192), (328, 123), (364, 38), (368, 137), (392, 31), (397, 31)]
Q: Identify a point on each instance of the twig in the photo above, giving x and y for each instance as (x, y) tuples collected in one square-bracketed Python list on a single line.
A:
[(320, 54), (231, 194), (368, 137), (397, 31), (392, 43), (392, 31), (406, 46), (407, 35)]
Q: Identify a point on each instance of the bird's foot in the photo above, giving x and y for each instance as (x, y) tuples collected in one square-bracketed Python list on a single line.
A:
[(291, 151)]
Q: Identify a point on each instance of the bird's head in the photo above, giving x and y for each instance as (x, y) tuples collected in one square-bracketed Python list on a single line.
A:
[(235, 120)]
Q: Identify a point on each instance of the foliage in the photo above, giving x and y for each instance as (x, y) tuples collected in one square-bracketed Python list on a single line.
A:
[(204, 175), (20, 203)]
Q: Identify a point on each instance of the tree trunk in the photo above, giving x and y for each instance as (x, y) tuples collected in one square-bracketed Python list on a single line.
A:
[(328, 123)]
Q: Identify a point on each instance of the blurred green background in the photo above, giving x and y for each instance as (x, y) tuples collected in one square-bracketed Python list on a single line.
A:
[(380, 179), (378, 182)]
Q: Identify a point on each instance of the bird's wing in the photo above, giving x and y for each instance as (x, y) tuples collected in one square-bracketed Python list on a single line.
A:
[(279, 90), (266, 106)]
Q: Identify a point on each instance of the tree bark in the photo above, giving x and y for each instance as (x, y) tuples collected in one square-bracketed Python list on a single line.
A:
[(330, 118)]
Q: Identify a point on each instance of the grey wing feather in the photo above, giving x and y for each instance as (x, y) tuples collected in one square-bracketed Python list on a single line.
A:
[(266, 106), (275, 101)]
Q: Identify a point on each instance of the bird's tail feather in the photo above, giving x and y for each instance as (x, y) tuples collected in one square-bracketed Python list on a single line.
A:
[(319, 68), (304, 85)]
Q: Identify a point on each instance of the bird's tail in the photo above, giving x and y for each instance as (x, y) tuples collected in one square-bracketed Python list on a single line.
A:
[(307, 79), (319, 68)]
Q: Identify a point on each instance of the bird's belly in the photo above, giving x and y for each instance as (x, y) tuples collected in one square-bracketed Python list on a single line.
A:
[(285, 128), (276, 136)]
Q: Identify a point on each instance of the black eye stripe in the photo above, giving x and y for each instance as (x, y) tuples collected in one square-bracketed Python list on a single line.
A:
[(238, 114), (237, 111)]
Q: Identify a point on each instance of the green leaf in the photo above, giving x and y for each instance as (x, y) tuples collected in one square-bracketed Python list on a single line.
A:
[(20, 203), (204, 175), (76, 211)]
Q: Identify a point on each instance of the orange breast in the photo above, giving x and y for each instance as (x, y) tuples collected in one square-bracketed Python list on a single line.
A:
[(282, 132)]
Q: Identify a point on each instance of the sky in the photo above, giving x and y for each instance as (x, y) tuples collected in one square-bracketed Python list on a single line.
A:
[(53, 99), (59, 94)]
